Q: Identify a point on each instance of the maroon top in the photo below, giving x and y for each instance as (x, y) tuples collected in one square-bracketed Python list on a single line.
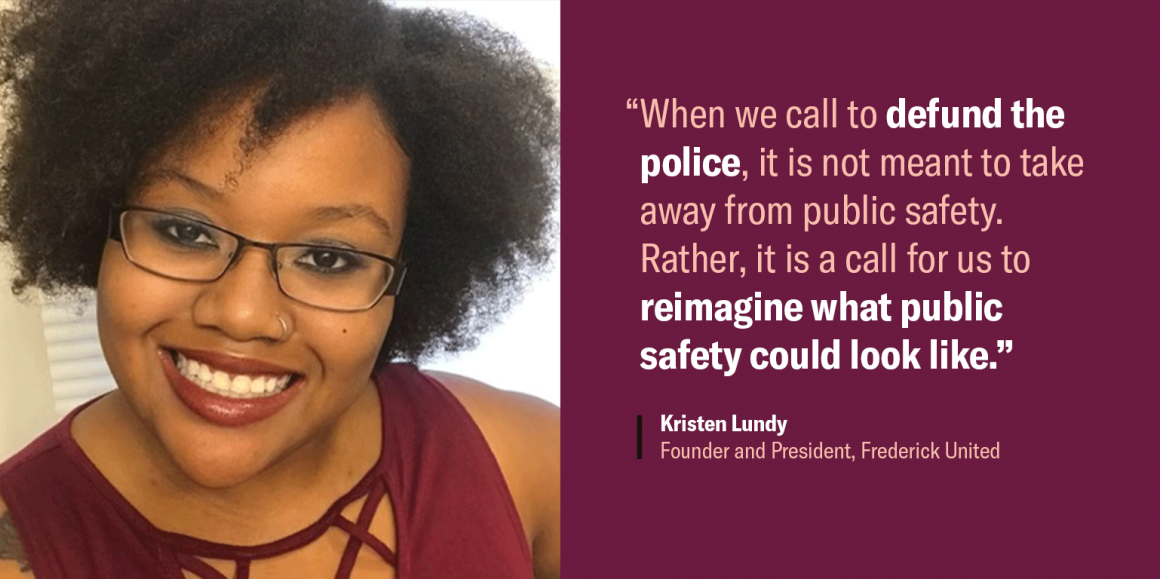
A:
[(454, 516)]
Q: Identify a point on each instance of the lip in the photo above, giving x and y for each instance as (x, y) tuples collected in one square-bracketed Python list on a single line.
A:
[(233, 364), (220, 410)]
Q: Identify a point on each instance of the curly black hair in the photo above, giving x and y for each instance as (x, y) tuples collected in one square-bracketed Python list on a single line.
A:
[(95, 90)]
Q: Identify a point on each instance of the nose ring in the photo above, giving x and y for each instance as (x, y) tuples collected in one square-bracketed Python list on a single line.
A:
[(285, 327)]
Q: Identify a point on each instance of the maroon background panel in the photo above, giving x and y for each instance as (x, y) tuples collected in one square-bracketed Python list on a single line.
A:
[(1073, 493)]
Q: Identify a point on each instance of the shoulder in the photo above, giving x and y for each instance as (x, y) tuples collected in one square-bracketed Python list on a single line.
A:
[(13, 560), (524, 435), (33, 471), (510, 416), (522, 431)]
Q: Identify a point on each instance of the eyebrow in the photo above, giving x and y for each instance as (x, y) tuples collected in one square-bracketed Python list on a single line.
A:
[(328, 213), (353, 210)]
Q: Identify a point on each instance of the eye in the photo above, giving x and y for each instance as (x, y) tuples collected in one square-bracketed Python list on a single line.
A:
[(184, 233), (327, 260)]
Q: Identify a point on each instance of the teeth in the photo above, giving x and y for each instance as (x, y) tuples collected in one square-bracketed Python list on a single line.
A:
[(230, 385), (239, 385)]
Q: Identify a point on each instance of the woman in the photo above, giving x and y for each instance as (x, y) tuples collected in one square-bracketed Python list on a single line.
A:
[(274, 202)]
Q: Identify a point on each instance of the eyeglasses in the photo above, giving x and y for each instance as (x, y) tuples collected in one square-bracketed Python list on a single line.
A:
[(182, 248)]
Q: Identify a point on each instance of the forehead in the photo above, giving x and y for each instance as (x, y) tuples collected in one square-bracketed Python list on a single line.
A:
[(343, 156)]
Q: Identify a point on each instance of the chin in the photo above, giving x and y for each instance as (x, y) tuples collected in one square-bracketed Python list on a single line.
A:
[(216, 462)]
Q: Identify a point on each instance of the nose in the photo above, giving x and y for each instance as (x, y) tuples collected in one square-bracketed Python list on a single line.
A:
[(245, 302)]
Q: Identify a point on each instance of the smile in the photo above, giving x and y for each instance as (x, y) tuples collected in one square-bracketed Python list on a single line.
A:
[(228, 384), (228, 391)]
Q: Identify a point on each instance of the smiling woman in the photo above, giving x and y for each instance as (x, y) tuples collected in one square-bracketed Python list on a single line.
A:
[(277, 203)]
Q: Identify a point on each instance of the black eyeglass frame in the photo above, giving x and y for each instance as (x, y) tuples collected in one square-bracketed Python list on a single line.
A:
[(392, 287)]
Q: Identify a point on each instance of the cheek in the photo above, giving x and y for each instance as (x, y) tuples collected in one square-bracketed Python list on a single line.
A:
[(131, 304), (129, 301), (348, 344)]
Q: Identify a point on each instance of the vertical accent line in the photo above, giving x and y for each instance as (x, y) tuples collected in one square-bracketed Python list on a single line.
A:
[(639, 432)]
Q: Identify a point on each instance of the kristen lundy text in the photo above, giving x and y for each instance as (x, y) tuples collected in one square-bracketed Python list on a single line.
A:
[(735, 424)]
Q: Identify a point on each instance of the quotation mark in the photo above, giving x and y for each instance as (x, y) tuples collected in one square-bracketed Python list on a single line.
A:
[(1005, 347), (631, 104)]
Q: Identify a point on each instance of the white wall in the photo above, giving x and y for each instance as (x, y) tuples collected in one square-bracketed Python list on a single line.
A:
[(26, 404)]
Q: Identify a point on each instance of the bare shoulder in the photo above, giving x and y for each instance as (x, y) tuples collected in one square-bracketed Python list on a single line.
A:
[(524, 435), (508, 410), (13, 561), (523, 431)]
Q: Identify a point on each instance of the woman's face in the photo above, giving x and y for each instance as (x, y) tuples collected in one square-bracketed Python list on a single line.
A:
[(335, 178)]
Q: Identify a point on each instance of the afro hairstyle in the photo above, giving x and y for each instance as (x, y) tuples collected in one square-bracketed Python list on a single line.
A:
[(96, 90)]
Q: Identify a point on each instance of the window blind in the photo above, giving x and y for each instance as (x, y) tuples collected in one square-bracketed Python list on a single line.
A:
[(76, 365)]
